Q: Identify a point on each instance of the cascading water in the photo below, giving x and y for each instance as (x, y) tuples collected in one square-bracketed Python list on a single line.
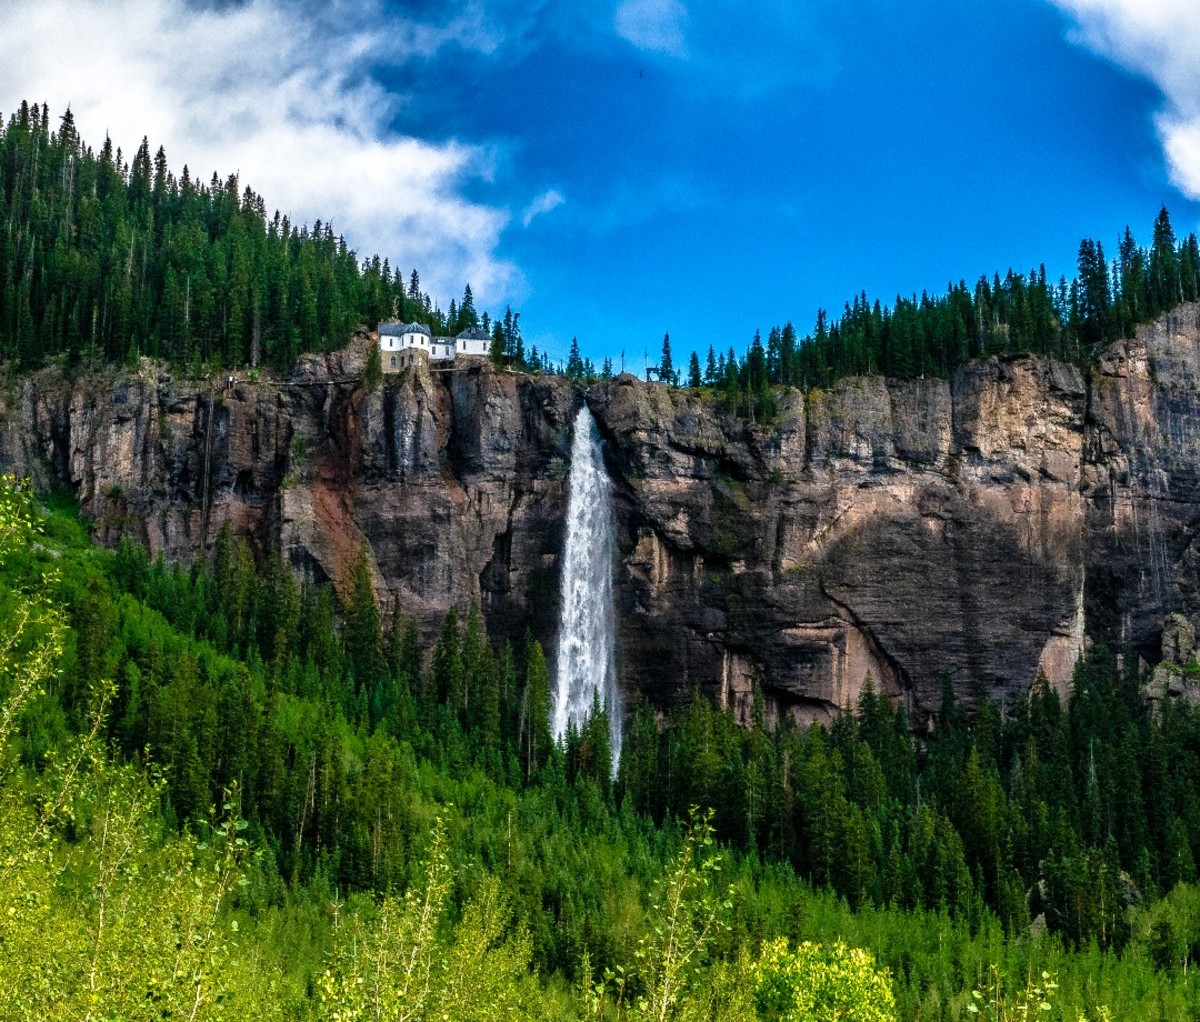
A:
[(587, 664)]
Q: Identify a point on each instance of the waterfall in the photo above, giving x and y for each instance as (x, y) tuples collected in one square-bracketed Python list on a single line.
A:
[(587, 665)]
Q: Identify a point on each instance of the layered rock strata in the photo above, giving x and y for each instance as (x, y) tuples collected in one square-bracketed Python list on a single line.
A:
[(899, 531)]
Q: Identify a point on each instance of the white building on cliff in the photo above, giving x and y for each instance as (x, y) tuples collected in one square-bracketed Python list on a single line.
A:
[(401, 344)]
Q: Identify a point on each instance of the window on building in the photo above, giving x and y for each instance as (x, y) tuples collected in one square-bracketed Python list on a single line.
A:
[(393, 361)]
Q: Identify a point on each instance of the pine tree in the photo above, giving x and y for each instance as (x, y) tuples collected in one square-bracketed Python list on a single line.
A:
[(787, 354), (487, 706), (362, 637), (535, 709), (1093, 293), (373, 370), (446, 666), (498, 350), (666, 368), (574, 362), (1165, 288), (473, 654), (467, 316)]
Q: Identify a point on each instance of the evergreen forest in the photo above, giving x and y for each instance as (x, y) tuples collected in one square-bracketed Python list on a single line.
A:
[(229, 795), (107, 258)]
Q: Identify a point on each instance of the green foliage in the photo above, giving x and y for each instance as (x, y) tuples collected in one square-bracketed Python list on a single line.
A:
[(815, 983), (32, 626), (345, 750), (104, 917), (108, 260), (994, 1005), (373, 370), (687, 912), (535, 709), (399, 964)]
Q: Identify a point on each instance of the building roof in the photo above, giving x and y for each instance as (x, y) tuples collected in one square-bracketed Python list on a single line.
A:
[(474, 334), (394, 328)]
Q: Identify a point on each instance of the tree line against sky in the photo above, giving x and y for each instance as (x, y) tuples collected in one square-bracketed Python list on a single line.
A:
[(110, 257)]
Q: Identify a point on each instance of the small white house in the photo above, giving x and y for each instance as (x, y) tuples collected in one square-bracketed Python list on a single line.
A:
[(474, 342), (400, 344), (444, 349)]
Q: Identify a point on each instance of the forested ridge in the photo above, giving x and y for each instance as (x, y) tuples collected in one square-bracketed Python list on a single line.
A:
[(109, 257), (336, 746), (933, 335)]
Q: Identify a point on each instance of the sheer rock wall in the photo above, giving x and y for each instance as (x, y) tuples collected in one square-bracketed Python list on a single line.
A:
[(977, 528)]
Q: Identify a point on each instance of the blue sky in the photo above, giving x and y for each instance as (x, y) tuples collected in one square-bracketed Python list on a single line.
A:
[(622, 168)]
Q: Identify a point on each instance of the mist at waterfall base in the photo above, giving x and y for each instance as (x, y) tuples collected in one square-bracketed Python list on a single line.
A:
[(586, 666)]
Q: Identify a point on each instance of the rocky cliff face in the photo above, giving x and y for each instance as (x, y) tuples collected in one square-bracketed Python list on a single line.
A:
[(897, 531), (454, 481), (904, 531)]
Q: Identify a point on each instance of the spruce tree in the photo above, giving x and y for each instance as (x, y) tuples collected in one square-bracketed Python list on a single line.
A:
[(666, 368), (574, 362), (535, 709), (1164, 267), (446, 666), (467, 316), (373, 370), (362, 637)]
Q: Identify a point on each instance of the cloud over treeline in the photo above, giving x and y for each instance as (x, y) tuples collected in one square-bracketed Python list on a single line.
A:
[(284, 95)]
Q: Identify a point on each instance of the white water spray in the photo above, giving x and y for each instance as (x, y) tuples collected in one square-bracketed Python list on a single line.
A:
[(587, 664)]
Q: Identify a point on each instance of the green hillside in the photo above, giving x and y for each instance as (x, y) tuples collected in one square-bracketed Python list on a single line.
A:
[(227, 794), (258, 805)]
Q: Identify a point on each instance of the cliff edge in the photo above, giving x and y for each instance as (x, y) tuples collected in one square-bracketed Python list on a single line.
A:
[(979, 528)]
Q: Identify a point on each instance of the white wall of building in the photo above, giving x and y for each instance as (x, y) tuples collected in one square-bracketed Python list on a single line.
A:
[(473, 346), (397, 348)]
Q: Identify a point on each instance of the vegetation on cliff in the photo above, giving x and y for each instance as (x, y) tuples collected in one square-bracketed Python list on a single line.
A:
[(933, 335), (112, 258)]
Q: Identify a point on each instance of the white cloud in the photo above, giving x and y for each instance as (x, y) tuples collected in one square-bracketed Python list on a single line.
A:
[(1159, 40), (1181, 142), (653, 25), (545, 202), (281, 94)]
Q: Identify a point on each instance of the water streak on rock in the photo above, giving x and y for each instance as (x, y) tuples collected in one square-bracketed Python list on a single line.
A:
[(586, 666)]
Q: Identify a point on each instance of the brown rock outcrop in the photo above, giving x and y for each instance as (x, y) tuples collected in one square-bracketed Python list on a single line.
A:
[(455, 481), (900, 531)]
